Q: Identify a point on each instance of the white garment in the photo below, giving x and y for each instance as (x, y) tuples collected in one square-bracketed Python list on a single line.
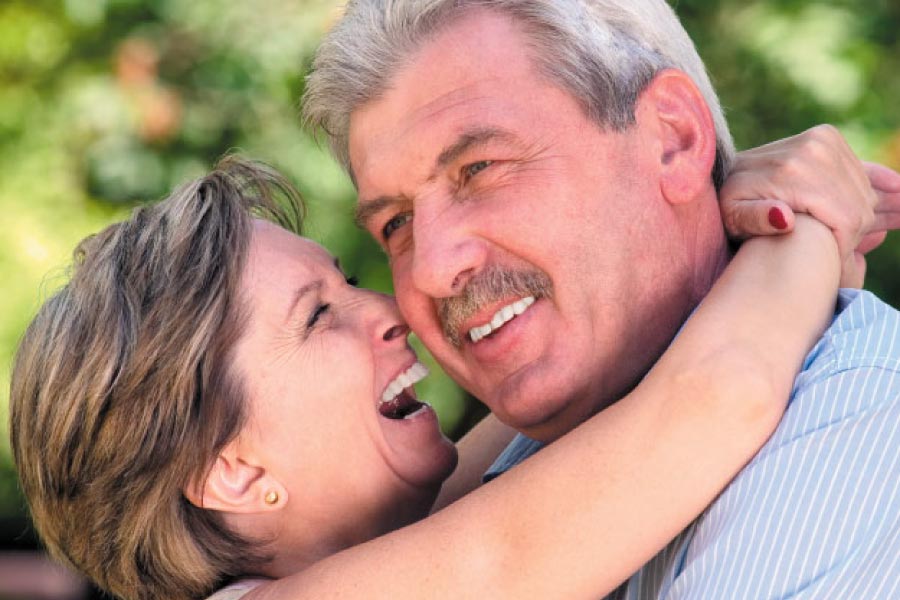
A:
[(236, 590)]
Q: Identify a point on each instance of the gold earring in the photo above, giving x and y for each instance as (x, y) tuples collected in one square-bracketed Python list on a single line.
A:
[(272, 498)]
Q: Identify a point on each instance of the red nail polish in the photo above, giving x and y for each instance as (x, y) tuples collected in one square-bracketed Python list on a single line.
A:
[(776, 218)]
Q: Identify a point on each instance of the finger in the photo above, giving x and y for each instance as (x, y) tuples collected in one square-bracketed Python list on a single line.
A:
[(887, 201), (749, 218), (871, 241), (882, 178), (853, 273), (744, 185), (885, 221)]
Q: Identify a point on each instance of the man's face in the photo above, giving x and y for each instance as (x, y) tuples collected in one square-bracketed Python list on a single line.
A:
[(489, 188)]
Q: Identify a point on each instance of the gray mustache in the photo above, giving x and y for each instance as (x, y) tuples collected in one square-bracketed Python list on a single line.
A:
[(492, 285)]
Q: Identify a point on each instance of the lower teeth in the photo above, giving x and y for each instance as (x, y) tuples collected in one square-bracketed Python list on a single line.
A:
[(401, 407), (408, 410)]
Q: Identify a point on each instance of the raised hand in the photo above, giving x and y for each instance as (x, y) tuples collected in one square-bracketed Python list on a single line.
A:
[(817, 173)]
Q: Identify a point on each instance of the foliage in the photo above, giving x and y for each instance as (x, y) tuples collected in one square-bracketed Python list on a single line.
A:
[(107, 102)]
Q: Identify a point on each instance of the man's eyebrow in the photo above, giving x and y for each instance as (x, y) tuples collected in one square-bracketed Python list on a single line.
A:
[(366, 210), (299, 293), (468, 140)]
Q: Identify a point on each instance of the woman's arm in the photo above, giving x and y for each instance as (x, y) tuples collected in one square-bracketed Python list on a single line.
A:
[(477, 451), (579, 517)]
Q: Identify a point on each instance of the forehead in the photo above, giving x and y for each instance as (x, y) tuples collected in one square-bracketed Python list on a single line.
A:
[(477, 71), (275, 252)]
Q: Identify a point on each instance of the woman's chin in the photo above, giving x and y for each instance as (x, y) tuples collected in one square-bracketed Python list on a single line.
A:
[(419, 453)]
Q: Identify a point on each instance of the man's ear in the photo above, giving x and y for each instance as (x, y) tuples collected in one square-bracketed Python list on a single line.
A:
[(236, 485), (686, 134)]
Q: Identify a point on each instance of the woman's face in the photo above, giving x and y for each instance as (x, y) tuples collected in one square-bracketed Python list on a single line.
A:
[(318, 358)]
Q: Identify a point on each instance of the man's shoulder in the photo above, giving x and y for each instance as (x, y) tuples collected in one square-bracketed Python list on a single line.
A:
[(853, 371), (520, 448), (865, 332), (819, 505)]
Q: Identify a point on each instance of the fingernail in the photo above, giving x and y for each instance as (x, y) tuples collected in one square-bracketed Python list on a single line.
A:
[(776, 218)]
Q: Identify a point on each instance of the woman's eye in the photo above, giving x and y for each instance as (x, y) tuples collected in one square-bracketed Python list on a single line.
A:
[(475, 168), (314, 317), (395, 223)]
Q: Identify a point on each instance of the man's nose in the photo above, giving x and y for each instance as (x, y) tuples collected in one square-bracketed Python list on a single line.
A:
[(447, 253)]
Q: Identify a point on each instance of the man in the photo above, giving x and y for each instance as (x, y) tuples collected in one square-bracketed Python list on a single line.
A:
[(543, 177)]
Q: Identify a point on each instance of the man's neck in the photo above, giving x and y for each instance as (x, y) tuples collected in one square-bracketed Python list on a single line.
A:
[(713, 255), (708, 251)]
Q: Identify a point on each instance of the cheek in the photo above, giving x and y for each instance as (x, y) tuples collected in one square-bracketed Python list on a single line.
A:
[(326, 423), (530, 217), (417, 308), (322, 382)]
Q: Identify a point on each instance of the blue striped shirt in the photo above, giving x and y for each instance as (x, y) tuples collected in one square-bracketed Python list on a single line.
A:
[(816, 514)]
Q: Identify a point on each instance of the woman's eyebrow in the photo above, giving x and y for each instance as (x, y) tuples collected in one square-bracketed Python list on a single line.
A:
[(298, 295)]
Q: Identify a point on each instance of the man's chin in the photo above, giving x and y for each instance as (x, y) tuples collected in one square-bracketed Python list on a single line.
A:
[(540, 416)]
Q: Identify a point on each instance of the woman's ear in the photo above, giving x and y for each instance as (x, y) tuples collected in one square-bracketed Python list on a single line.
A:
[(686, 134), (236, 485)]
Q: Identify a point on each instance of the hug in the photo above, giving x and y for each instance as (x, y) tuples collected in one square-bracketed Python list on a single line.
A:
[(211, 408)]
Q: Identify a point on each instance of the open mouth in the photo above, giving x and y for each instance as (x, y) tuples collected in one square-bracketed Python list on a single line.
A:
[(398, 401), (501, 318), (401, 407)]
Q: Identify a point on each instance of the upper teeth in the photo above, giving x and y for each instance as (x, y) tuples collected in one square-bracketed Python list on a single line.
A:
[(501, 318), (412, 375)]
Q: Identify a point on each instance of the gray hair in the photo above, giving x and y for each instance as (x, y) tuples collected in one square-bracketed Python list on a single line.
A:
[(604, 52)]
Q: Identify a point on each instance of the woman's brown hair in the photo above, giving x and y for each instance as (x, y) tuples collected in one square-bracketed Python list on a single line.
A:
[(123, 392)]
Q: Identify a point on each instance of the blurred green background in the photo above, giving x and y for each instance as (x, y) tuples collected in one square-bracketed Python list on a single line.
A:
[(104, 103)]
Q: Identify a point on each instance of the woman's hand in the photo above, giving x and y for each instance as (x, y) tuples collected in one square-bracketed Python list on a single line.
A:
[(815, 173)]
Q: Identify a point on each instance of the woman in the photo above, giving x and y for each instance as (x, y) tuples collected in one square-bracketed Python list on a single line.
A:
[(209, 399)]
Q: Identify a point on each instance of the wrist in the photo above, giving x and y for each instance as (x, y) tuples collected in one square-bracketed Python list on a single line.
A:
[(811, 234)]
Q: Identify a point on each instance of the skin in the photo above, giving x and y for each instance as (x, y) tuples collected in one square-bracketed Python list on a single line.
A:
[(707, 405), (618, 296), (456, 208), (472, 161), (341, 346)]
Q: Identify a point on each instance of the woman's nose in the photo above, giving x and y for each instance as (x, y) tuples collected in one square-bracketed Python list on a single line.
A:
[(387, 324), (395, 331)]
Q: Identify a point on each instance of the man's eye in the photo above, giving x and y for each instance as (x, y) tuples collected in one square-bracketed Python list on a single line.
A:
[(475, 168), (394, 224), (318, 312)]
